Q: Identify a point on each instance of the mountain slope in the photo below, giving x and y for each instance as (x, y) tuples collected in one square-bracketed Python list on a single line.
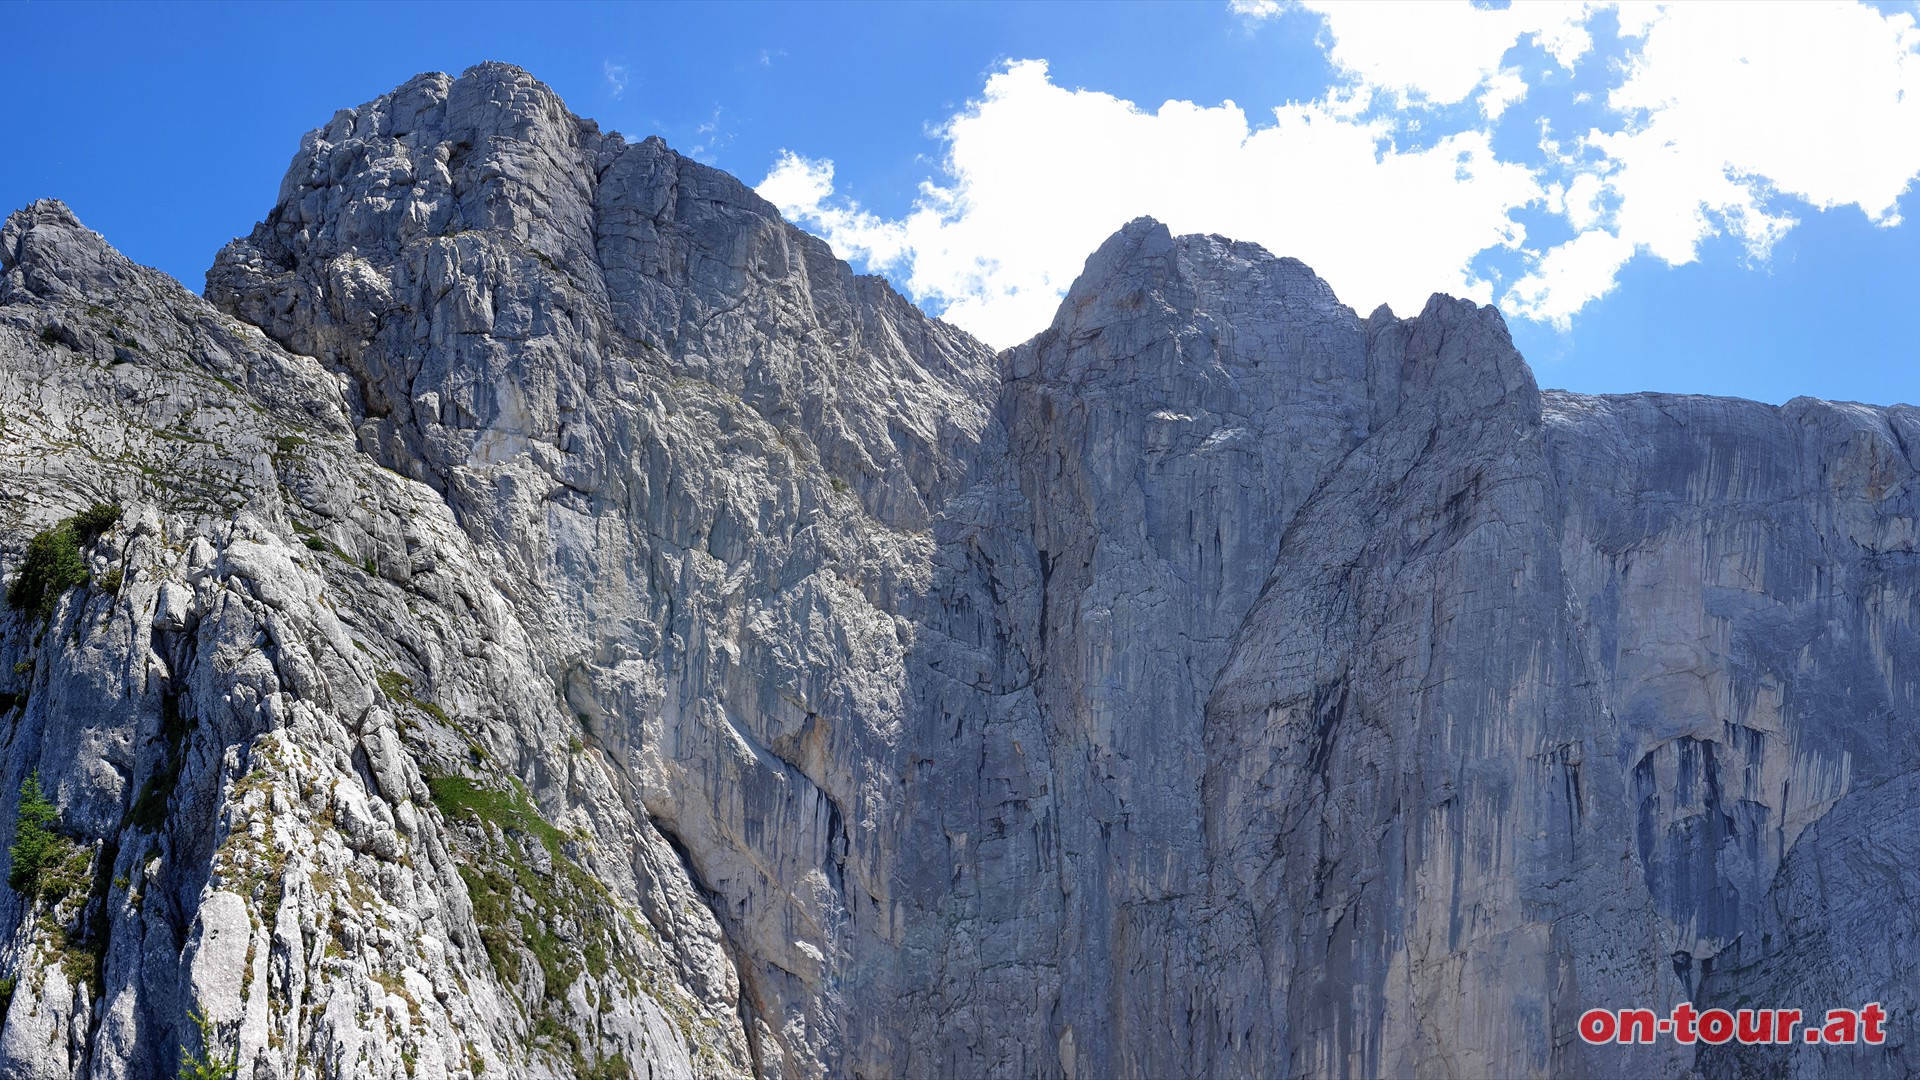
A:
[(704, 455), (560, 621), (279, 712)]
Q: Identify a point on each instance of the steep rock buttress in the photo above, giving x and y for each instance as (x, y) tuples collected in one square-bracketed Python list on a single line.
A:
[(553, 598)]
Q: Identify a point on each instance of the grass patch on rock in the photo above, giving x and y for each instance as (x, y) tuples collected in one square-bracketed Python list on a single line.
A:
[(399, 689), (557, 919), (510, 812)]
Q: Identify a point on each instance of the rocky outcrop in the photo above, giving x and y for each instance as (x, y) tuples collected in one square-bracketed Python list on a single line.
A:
[(544, 615), (703, 456), (284, 712)]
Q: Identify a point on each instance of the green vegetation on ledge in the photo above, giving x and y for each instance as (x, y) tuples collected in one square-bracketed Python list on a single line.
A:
[(511, 812), (55, 875), (521, 912), (399, 690), (54, 563)]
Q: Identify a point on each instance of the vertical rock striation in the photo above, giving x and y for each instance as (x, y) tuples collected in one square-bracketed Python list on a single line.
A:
[(559, 621), (284, 711), (704, 457)]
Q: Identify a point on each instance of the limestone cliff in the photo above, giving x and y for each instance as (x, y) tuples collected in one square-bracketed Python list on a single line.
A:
[(543, 615)]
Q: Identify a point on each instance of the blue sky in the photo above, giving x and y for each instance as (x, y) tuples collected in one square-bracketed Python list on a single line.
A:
[(1706, 199)]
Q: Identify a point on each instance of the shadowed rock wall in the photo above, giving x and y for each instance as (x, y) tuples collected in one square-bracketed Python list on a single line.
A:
[(778, 681)]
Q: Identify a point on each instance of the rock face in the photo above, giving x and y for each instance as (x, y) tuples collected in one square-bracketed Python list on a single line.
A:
[(278, 713), (545, 616)]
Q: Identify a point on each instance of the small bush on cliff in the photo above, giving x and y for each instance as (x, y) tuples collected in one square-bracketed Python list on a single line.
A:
[(35, 845), (93, 522), (204, 1065), (54, 564)]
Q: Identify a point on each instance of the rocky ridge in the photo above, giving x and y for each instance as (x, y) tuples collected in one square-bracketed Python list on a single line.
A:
[(545, 616)]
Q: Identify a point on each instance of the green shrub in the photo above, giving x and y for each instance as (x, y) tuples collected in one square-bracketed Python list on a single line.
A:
[(35, 845), (93, 522), (400, 689), (149, 811), (204, 1065), (52, 566), (510, 811)]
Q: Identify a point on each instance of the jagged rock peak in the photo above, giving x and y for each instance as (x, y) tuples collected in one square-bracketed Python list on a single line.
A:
[(48, 212), (1147, 247), (454, 212), (1144, 283), (44, 249), (494, 150), (494, 96)]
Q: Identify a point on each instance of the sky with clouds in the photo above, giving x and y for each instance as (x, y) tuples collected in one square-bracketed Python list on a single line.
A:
[(1695, 197), (1690, 122)]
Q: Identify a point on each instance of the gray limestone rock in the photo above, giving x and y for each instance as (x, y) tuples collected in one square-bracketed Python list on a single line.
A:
[(559, 621), (285, 714)]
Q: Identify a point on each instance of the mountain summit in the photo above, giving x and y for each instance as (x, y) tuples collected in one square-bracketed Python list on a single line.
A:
[(542, 615)]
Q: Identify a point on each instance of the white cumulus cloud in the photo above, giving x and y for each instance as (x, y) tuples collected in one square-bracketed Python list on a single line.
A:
[(804, 188), (1569, 275), (1725, 124), (1037, 175), (1712, 122), (1441, 51), (1254, 9)]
